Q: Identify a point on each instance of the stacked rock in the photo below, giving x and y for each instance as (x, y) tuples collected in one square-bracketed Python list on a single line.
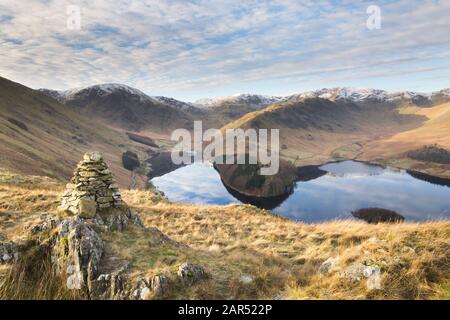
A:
[(91, 189)]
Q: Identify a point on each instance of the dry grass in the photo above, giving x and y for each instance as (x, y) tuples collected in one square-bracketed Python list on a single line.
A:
[(281, 256), (414, 258), (33, 278)]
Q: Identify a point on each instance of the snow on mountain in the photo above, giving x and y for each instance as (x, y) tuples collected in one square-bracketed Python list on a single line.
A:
[(186, 106), (367, 94), (346, 93), (254, 100), (104, 90), (444, 93), (109, 88)]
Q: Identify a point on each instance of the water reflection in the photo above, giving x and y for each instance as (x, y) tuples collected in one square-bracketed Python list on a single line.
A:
[(343, 188)]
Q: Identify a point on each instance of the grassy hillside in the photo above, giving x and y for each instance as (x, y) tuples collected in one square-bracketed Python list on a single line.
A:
[(315, 131), (38, 135), (122, 109), (249, 253), (395, 148)]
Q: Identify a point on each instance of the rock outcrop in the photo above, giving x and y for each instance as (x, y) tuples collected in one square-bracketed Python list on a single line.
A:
[(329, 265), (189, 273), (94, 198), (78, 243), (9, 252)]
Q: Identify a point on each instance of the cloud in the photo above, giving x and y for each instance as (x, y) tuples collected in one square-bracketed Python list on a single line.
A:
[(186, 49)]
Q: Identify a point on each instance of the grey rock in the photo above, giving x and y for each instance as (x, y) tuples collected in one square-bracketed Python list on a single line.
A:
[(93, 156), (87, 208), (107, 286), (246, 279), (329, 265), (9, 252), (145, 292), (78, 250), (358, 271), (159, 284), (189, 273)]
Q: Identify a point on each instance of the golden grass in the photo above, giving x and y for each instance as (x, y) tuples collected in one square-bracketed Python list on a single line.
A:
[(282, 257), (33, 278), (436, 130)]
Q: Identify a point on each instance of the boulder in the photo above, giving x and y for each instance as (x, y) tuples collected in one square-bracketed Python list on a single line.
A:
[(9, 252), (87, 208), (159, 284), (189, 273), (329, 265), (358, 271)]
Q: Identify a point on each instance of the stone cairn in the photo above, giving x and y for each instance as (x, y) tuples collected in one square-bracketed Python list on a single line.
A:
[(92, 188)]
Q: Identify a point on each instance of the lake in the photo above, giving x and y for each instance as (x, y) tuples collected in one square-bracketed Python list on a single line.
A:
[(343, 188)]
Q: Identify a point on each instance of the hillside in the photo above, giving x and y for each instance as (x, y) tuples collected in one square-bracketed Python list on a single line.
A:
[(394, 149), (40, 136), (316, 130), (247, 253), (126, 108)]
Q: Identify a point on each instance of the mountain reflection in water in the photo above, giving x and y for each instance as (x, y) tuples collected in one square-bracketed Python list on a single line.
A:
[(331, 191)]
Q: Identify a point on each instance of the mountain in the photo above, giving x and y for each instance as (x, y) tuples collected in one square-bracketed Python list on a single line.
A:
[(220, 111), (253, 101), (186, 106), (41, 136), (124, 107), (130, 109), (371, 125), (375, 95), (217, 112)]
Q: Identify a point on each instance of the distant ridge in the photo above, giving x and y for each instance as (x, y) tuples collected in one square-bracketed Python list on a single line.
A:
[(257, 101)]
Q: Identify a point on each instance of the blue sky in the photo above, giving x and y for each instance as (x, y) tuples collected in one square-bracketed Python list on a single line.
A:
[(194, 49)]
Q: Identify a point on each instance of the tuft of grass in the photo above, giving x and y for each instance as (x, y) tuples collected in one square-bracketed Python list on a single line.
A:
[(33, 278)]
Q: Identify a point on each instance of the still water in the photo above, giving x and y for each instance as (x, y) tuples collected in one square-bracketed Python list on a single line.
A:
[(344, 187)]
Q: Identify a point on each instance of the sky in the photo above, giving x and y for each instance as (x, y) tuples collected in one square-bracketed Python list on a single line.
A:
[(195, 49)]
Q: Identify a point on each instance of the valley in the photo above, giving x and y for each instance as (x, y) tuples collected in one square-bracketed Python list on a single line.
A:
[(175, 220)]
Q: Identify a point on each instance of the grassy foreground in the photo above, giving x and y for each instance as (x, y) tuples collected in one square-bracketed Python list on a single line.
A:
[(249, 253)]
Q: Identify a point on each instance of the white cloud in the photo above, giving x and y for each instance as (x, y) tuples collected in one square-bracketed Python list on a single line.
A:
[(187, 48)]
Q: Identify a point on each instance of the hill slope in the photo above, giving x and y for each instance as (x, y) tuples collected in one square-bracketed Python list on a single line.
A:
[(41, 136), (315, 130), (394, 150), (124, 107)]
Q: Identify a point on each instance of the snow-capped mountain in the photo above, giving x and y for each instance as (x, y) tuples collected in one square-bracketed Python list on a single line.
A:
[(254, 100), (367, 94), (186, 106), (99, 90), (103, 90), (249, 102), (352, 94), (123, 106)]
